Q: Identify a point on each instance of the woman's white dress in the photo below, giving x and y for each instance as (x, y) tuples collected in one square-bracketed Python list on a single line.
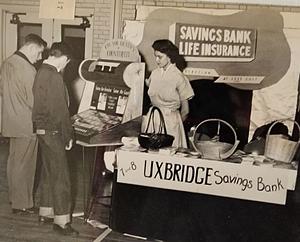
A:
[(167, 88)]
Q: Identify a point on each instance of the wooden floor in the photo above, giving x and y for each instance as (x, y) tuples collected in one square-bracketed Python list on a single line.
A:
[(17, 228)]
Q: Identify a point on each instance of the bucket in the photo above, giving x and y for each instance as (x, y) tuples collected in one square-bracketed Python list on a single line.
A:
[(280, 148), (214, 149)]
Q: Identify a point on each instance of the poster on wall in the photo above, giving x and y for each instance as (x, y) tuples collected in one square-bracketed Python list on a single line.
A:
[(255, 49), (57, 9)]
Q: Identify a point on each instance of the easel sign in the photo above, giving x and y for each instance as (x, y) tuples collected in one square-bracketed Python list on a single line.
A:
[(57, 9)]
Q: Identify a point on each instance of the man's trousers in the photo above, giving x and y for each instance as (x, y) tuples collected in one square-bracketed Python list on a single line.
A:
[(21, 167), (55, 184)]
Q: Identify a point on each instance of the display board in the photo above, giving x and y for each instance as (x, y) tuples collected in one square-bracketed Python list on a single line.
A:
[(112, 94)]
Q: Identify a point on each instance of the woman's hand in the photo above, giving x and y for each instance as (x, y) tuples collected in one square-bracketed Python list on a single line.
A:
[(69, 145), (184, 111), (147, 81)]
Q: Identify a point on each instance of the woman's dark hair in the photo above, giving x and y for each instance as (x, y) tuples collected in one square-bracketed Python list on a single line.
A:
[(167, 47), (59, 49)]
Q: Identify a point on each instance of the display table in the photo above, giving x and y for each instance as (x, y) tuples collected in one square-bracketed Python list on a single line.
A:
[(168, 197), (92, 156)]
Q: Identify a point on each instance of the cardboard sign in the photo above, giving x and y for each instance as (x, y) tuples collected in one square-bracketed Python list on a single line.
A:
[(240, 79), (110, 99), (213, 43), (233, 43), (194, 71), (57, 9), (121, 50), (225, 179)]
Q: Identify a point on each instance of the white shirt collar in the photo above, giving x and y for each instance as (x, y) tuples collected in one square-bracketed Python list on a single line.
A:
[(51, 64), (168, 68)]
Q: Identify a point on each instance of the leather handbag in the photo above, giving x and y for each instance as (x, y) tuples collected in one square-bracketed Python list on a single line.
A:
[(155, 140)]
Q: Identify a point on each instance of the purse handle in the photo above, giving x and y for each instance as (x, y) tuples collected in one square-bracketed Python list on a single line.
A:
[(162, 124)]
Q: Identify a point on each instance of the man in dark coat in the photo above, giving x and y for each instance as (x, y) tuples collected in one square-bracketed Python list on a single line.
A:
[(54, 130)]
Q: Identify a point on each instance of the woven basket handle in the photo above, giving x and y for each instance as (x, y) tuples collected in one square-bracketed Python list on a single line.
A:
[(162, 124), (150, 118), (281, 121)]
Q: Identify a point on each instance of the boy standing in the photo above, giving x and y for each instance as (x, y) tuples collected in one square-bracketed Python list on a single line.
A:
[(54, 130)]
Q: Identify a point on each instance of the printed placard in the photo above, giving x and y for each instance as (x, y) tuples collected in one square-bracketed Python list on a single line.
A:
[(240, 79), (110, 99), (213, 43), (225, 179), (194, 71), (57, 9), (121, 50)]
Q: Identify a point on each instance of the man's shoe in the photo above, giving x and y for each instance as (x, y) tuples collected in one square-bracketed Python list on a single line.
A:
[(24, 211), (67, 230), (45, 220)]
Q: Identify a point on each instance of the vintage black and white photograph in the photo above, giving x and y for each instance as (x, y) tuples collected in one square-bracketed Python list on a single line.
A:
[(147, 120)]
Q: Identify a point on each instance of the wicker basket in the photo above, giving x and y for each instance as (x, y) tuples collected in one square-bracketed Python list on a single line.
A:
[(213, 149), (279, 147)]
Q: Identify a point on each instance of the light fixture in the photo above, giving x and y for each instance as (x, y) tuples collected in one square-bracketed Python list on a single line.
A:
[(15, 19), (85, 21)]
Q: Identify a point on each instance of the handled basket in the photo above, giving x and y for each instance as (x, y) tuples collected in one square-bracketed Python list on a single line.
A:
[(280, 148), (155, 140), (211, 149)]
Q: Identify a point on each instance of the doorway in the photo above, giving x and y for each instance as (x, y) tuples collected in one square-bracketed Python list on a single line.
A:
[(19, 21), (74, 36)]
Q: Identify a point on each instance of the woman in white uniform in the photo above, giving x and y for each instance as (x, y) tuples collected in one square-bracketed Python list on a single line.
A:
[(169, 90)]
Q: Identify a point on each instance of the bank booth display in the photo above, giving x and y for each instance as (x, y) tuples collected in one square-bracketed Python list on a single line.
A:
[(108, 100), (205, 193), (212, 185), (157, 193), (112, 94)]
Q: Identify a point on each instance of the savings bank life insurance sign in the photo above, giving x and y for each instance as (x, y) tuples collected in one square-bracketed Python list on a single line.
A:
[(213, 43)]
